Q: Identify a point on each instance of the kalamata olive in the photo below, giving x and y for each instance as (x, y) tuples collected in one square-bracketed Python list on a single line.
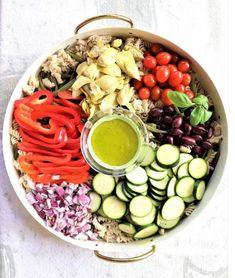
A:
[(198, 138), (177, 122), (157, 120), (167, 119), (163, 126), (206, 145), (176, 132), (197, 150), (188, 111), (187, 128), (177, 140), (199, 130), (155, 112), (210, 132), (169, 110), (188, 141), (159, 137), (169, 140)]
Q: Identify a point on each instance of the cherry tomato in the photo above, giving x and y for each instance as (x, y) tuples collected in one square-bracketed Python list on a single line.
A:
[(156, 48), (150, 62), (175, 78), (146, 53), (164, 97), (149, 80), (153, 71), (144, 93), (190, 94), (162, 74), (175, 58), (172, 67), (186, 79), (163, 58), (155, 93), (180, 88), (183, 65), (137, 84)]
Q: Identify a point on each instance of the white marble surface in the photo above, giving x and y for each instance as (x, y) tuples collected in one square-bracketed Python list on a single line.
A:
[(30, 27)]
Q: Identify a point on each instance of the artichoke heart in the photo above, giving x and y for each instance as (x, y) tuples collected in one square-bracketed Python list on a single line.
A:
[(96, 94), (109, 102), (81, 68), (78, 84), (92, 71), (108, 57), (125, 94), (107, 83), (137, 53), (112, 70), (126, 62)]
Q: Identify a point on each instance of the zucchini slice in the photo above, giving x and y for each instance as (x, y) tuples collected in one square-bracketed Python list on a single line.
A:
[(171, 187), (149, 156), (155, 174), (198, 168), (161, 184), (127, 228), (103, 184), (140, 206), (95, 201), (146, 220), (184, 157), (146, 232), (156, 167), (168, 155), (183, 170), (184, 187), (199, 190), (119, 192), (137, 176), (166, 224), (137, 188), (173, 208), (189, 199), (113, 207)]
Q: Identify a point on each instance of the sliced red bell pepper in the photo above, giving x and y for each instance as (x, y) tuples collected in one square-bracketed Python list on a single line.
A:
[(23, 114), (68, 95), (42, 178), (63, 169), (26, 166), (37, 98), (63, 139), (28, 147), (38, 157)]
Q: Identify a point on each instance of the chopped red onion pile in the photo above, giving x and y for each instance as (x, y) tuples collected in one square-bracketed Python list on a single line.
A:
[(65, 208)]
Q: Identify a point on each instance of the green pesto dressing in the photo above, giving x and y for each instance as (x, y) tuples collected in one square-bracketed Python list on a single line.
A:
[(114, 141)]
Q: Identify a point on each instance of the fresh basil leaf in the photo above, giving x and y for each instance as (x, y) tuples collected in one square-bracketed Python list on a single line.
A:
[(180, 99), (196, 115), (206, 116), (201, 100)]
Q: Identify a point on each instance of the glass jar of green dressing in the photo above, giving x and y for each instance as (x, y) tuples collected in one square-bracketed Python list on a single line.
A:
[(112, 143)]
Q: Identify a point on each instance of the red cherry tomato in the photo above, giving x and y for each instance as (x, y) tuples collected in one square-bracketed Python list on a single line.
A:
[(137, 84), (164, 97), (172, 67), (184, 65), (190, 94), (162, 74), (163, 58), (175, 78), (150, 62), (153, 71), (175, 58), (186, 79), (144, 93), (146, 53), (180, 88), (156, 48), (149, 80), (155, 93)]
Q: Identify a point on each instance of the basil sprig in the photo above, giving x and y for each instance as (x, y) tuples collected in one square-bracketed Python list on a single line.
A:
[(199, 114)]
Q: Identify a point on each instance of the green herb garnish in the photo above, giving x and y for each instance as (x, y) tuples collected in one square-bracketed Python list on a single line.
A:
[(200, 113)]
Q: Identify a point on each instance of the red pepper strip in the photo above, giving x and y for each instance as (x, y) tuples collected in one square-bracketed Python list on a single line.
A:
[(23, 114), (75, 178), (73, 163), (74, 152), (68, 103), (37, 98), (36, 114), (59, 110), (68, 95), (26, 166), (64, 169), (38, 157), (30, 139), (80, 127), (28, 147), (42, 178)]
